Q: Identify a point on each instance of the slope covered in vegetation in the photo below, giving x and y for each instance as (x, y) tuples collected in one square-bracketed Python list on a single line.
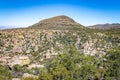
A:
[(66, 53)]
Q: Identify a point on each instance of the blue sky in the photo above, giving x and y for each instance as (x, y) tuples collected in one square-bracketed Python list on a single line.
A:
[(23, 13)]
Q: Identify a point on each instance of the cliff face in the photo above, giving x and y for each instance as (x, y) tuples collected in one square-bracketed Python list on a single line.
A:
[(39, 44)]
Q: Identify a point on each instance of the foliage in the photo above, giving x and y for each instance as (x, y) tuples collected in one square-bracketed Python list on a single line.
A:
[(112, 64), (17, 68), (29, 78), (71, 66), (5, 73), (75, 66)]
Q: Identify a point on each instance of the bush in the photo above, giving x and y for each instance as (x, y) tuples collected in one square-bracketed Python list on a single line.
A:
[(29, 78), (70, 66), (112, 64), (5, 73)]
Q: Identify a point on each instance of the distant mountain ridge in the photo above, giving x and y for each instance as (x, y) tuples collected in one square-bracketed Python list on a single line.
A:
[(7, 27), (106, 26), (58, 22)]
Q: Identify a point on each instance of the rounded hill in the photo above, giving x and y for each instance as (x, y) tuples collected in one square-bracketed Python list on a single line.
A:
[(58, 22)]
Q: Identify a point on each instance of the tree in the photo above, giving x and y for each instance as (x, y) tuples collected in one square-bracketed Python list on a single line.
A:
[(71, 65), (112, 64), (45, 75)]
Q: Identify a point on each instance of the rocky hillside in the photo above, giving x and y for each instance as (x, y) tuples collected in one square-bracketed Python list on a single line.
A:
[(45, 43), (35, 45), (58, 22)]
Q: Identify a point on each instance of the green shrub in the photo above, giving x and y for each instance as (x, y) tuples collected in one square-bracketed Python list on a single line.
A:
[(5, 73)]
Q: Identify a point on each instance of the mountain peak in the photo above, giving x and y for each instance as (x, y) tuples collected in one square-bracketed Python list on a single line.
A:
[(61, 16), (58, 22)]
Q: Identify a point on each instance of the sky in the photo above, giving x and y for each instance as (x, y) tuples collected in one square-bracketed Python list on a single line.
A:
[(23, 13)]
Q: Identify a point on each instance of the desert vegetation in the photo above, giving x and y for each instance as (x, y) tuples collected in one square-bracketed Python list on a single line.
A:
[(52, 53)]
